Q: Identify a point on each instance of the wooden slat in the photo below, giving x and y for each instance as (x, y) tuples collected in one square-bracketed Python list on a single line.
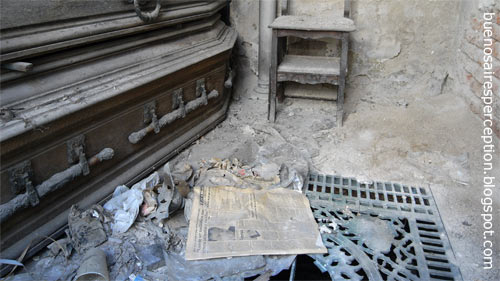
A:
[(310, 65), (343, 72), (314, 23), (271, 112), (310, 34)]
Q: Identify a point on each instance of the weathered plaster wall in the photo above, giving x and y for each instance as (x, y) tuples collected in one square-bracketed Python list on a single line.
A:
[(245, 18), (469, 60), (403, 50)]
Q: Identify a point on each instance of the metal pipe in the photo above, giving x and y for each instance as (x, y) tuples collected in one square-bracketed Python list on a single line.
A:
[(267, 14)]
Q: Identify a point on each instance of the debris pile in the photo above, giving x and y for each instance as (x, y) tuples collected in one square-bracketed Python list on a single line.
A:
[(141, 232)]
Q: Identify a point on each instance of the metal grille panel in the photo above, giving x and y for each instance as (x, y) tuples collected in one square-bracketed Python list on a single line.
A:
[(379, 231)]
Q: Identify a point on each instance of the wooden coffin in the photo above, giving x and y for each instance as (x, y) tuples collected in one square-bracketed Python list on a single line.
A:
[(30, 28), (97, 116)]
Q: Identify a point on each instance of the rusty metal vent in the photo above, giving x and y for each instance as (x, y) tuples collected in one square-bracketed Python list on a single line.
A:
[(379, 231)]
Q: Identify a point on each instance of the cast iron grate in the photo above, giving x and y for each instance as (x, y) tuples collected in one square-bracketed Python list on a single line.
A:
[(379, 231)]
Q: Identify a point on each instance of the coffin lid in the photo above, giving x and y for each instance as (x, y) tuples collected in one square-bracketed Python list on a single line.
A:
[(30, 28), (40, 98)]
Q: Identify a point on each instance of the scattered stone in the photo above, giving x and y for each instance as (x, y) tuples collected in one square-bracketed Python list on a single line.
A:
[(183, 188), (267, 171), (188, 204), (86, 228), (149, 204), (183, 173), (63, 245), (151, 256)]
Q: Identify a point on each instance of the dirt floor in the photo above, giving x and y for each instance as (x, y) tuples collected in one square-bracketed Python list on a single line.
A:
[(430, 141)]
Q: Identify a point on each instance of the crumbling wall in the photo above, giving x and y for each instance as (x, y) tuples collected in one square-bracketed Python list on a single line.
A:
[(469, 58)]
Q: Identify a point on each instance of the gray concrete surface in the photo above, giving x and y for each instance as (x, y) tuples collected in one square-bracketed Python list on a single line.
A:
[(432, 141)]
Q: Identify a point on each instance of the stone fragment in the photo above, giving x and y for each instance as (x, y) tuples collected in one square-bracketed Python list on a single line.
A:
[(152, 256)]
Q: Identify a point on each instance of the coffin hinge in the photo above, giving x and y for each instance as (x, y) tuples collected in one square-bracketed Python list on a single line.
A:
[(20, 178)]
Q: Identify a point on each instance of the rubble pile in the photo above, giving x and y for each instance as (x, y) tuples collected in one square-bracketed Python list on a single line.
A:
[(142, 231)]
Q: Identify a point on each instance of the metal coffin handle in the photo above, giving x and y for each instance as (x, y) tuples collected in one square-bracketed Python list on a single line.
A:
[(180, 112), (147, 16), (55, 182)]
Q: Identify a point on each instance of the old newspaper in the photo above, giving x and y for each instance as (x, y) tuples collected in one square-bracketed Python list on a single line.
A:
[(229, 221)]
